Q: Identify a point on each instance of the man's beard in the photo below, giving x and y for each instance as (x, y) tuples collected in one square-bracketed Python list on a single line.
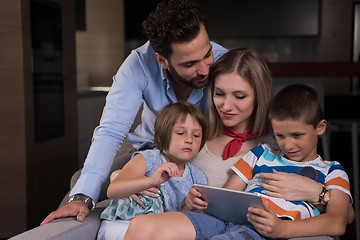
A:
[(191, 83)]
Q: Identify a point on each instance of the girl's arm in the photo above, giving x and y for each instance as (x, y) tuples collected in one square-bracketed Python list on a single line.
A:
[(332, 223), (194, 201), (131, 179), (133, 171)]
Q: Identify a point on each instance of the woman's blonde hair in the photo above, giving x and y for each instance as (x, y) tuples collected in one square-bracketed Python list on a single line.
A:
[(249, 65)]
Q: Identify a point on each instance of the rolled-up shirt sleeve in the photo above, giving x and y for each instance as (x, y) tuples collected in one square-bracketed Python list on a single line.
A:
[(122, 104)]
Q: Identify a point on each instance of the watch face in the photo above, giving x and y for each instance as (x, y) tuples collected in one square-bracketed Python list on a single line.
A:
[(326, 196)]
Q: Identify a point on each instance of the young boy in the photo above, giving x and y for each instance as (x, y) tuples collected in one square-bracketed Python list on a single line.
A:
[(297, 120)]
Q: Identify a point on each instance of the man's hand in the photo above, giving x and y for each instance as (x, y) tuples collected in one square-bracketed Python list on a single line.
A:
[(72, 209)]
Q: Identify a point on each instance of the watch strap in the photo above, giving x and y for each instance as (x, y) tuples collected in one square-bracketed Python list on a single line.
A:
[(83, 198)]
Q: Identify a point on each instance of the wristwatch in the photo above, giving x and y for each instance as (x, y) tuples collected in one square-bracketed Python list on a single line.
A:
[(85, 199), (324, 196)]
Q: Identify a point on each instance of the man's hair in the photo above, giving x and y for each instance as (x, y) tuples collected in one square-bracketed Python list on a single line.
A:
[(173, 21), (249, 65), (297, 102), (170, 115)]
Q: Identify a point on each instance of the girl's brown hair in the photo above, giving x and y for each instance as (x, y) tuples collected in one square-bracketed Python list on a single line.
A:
[(173, 113)]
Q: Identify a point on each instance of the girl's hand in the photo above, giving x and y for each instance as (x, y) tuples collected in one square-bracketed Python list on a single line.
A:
[(265, 221), (290, 186), (194, 201), (164, 172)]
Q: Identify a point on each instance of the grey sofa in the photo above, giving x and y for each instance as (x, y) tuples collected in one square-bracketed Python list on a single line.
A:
[(65, 229), (69, 228)]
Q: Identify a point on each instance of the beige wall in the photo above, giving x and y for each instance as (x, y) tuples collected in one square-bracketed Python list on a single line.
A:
[(12, 119), (335, 41), (336, 30), (100, 49), (30, 170)]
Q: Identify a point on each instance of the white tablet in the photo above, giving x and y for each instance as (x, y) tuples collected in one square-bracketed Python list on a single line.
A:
[(229, 205)]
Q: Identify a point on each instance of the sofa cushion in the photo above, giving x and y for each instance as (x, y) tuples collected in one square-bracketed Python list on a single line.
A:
[(65, 229)]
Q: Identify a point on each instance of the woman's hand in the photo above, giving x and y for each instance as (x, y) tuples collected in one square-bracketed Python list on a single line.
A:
[(265, 221), (290, 186), (194, 201), (151, 192)]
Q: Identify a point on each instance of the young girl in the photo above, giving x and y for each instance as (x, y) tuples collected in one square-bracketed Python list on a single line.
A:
[(180, 133)]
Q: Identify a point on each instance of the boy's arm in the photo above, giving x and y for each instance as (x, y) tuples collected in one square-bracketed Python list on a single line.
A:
[(235, 183), (332, 223), (351, 215)]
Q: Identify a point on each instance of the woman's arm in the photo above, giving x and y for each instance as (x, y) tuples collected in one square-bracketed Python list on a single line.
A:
[(331, 223), (131, 179)]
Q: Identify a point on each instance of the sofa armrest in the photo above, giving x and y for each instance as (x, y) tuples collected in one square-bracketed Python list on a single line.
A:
[(66, 228)]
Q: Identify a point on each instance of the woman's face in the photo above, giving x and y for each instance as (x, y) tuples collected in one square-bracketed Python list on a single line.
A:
[(234, 100)]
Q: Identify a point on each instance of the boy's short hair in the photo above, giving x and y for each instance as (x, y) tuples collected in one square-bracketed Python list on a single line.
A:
[(297, 102), (173, 21), (173, 113)]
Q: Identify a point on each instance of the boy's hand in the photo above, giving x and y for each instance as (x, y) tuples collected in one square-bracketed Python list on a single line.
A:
[(265, 221), (194, 201)]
